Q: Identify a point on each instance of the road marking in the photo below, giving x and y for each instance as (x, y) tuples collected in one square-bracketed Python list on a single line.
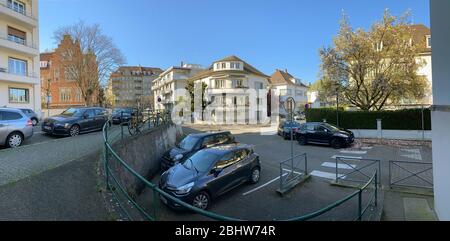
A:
[(287, 170), (264, 185), (415, 151), (340, 166), (355, 152), (326, 175), (367, 148), (413, 156), (346, 157)]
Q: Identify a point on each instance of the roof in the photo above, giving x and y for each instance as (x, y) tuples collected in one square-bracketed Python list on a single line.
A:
[(419, 34), (206, 134), (284, 78), (224, 149), (122, 69), (247, 69)]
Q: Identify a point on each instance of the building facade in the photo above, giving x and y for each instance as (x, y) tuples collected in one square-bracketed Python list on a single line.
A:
[(174, 78), (59, 90), (20, 85), (236, 92), (132, 85), (287, 86), (422, 36)]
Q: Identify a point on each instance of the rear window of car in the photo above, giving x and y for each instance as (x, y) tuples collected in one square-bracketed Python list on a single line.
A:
[(8, 116)]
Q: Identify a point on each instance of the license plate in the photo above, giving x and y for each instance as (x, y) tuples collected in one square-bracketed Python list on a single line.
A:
[(163, 199)]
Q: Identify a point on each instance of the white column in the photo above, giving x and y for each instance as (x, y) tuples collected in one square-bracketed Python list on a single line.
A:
[(440, 28)]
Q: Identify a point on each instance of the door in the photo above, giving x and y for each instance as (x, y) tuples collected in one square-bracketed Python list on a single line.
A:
[(322, 134), (88, 122), (3, 129), (310, 132), (225, 179), (100, 118)]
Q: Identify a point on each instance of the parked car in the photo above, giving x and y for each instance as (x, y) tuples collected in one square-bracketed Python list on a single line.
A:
[(33, 116), (286, 127), (75, 121), (324, 133), (15, 127), (209, 174), (122, 115), (193, 143)]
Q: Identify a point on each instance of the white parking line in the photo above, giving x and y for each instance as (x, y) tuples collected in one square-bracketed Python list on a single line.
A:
[(326, 175), (340, 166), (367, 148), (287, 170), (346, 157), (262, 186), (355, 152)]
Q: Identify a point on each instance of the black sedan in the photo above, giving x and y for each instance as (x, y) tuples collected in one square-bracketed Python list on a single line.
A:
[(210, 173), (75, 121), (122, 115), (326, 134), (286, 128), (193, 143)]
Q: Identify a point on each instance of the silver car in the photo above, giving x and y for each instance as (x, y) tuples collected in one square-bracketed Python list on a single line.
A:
[(33, 116), (15, 127)]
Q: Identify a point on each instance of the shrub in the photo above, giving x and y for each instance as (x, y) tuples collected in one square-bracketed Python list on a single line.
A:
[(407, 119)]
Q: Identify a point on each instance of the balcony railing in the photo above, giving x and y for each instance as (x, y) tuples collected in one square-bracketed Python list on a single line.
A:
[(28, 74), (25, 12), (17, 40)]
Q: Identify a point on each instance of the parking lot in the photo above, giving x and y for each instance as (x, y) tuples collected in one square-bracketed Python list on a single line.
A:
[(262, 202)]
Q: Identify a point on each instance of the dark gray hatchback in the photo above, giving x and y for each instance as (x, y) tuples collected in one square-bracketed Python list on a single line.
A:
[(210, 173)]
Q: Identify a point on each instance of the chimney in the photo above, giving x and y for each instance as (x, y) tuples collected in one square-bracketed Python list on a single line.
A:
[(182, 64), (286, 70)]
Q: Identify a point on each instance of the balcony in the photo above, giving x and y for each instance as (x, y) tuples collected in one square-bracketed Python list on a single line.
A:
[(242, 91), (29, 78), (18, 45), (23, 16)]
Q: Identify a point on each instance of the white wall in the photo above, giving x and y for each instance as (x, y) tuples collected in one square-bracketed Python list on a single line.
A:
[(440, 28)]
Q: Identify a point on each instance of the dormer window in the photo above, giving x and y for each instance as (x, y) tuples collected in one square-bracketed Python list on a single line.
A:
[(428, 41), (224, 65)]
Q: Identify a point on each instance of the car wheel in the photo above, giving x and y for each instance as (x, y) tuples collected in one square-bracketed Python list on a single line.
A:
[(14, 140), (255, 176), (336, 144), (302, 141), (201, 200), (74, 131), (34, 122)]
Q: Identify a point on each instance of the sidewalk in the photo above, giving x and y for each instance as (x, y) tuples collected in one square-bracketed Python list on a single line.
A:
[(66, 193)]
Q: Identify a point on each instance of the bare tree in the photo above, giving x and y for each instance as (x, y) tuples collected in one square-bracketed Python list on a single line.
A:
[(91, 59), (370, 69)]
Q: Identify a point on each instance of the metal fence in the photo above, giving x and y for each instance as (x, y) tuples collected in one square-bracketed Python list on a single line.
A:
[(291, 171), (132, 210), (356, 170), (411, 174)]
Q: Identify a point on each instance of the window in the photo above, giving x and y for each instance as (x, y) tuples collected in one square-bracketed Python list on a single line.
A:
[(428, 41), (226, 161), (78, 95), (90, 113), (99, 112), (17, 66), (238, 65), (9, 116), (18, 95), (68, 74), (259, 85), (232, 65), (238, 83), (16, 6), (209, 141), (17, 36), (224, 65), (64, 95), (220, 84)]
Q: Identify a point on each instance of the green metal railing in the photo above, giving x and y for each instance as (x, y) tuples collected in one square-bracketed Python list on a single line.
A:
[(117, 189)]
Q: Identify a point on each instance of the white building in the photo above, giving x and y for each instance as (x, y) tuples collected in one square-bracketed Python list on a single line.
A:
[(286, 86), (20, 84), (237, 92), (175, 78), (422, 36)]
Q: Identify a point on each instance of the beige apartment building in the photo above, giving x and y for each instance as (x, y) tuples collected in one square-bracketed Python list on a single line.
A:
[(132, 85), (20, 85)]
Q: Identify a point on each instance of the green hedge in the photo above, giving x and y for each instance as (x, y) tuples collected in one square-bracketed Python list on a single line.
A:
[(408, 119)]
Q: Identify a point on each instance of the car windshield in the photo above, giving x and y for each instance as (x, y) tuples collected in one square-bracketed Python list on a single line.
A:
[(331, 127), (188, 143), (73, 112), (201, 161)]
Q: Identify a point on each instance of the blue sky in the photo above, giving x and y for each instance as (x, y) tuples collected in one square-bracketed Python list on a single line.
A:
[(269, 34)]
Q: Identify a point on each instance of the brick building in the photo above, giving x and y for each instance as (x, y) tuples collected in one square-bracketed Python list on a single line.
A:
[(57, 81)]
